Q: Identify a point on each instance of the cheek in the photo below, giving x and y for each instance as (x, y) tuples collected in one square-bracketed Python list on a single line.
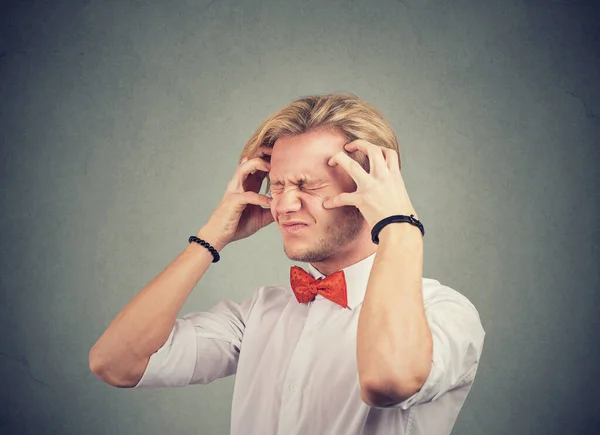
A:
[(314, 201)]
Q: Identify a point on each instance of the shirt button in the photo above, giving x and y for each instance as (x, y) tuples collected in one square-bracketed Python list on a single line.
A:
[(292, 387)]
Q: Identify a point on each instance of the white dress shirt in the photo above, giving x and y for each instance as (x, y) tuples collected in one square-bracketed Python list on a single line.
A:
[(295, 363)]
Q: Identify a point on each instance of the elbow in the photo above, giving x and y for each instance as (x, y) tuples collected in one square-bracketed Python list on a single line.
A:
[(98, 368), (94, 363), (103, 372), (385, 392)]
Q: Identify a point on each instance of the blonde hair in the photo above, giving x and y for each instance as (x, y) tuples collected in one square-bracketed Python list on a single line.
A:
[(342, 112)]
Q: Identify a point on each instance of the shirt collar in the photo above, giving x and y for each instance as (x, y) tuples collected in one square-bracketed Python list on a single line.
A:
[(357, 277)]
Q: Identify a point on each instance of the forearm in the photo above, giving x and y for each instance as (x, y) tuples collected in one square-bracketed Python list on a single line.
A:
[(394, 343), (145, 323)]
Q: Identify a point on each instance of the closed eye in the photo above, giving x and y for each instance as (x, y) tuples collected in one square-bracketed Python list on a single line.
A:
[(278, 187)]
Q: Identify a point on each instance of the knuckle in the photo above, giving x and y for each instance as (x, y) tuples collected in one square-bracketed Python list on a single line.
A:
[(231, 186), (225, 201), (236, 197), (238, 173), (248, 196)]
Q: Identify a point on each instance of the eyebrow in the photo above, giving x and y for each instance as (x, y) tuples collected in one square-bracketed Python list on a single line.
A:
[(298, 180)]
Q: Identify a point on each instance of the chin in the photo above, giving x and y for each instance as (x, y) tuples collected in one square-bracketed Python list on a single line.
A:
[(306, 254), (293, 251)]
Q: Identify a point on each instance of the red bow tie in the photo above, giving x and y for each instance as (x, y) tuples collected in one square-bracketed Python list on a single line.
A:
[(332, 287)]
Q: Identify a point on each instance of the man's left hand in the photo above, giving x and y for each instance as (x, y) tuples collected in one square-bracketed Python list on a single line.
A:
[(381, 191)]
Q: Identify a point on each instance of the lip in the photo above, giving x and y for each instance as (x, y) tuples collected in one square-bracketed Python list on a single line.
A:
[(294, 226)]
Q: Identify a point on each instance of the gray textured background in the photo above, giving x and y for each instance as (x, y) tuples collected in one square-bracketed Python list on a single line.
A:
[(121, 125)]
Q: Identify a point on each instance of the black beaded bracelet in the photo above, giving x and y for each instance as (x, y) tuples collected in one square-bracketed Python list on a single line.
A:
[(212, 250), (395, 218)]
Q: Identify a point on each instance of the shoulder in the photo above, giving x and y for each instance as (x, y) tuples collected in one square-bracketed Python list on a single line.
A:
[(436, 294)]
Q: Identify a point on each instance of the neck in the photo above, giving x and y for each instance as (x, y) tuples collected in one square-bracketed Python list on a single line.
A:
[(355, 251)]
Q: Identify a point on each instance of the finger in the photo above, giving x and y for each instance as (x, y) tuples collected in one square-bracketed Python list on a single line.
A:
[(253, 180), (376, 157), (340, 200), (238, 181), (256, 199), (262, 152), (265, 151), (391, 159), (352, 167)]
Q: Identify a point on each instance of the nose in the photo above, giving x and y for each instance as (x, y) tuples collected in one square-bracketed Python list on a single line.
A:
[(288, 201)]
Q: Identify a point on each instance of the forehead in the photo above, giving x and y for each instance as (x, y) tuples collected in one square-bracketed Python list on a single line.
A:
[(305, 156)]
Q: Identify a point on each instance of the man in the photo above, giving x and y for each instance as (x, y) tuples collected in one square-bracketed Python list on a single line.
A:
[(371, 347)]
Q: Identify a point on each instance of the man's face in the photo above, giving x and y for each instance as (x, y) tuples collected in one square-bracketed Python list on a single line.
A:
[(301, 180)]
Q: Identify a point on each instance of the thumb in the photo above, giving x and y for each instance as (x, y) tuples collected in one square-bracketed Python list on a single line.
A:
[(338, 201)]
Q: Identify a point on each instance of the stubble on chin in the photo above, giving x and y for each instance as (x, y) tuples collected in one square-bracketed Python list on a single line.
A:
[(315, 254), (337, 235)]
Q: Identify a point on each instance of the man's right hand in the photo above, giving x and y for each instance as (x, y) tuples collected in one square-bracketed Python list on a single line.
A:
[(240, 213)]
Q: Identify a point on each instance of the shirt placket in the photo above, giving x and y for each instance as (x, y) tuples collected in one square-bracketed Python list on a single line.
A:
[(292, 410)]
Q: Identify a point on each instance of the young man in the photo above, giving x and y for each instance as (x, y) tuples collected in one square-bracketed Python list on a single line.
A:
[(359, 344)]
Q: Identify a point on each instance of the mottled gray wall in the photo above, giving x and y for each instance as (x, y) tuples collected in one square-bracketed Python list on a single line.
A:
[(121, 125)]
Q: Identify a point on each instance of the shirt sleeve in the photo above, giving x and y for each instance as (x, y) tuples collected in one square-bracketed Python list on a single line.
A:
[(202, 347), (458, 337)]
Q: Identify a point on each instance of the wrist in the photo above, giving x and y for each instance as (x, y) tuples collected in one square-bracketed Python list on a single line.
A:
[(401, 233), (210, 236)]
